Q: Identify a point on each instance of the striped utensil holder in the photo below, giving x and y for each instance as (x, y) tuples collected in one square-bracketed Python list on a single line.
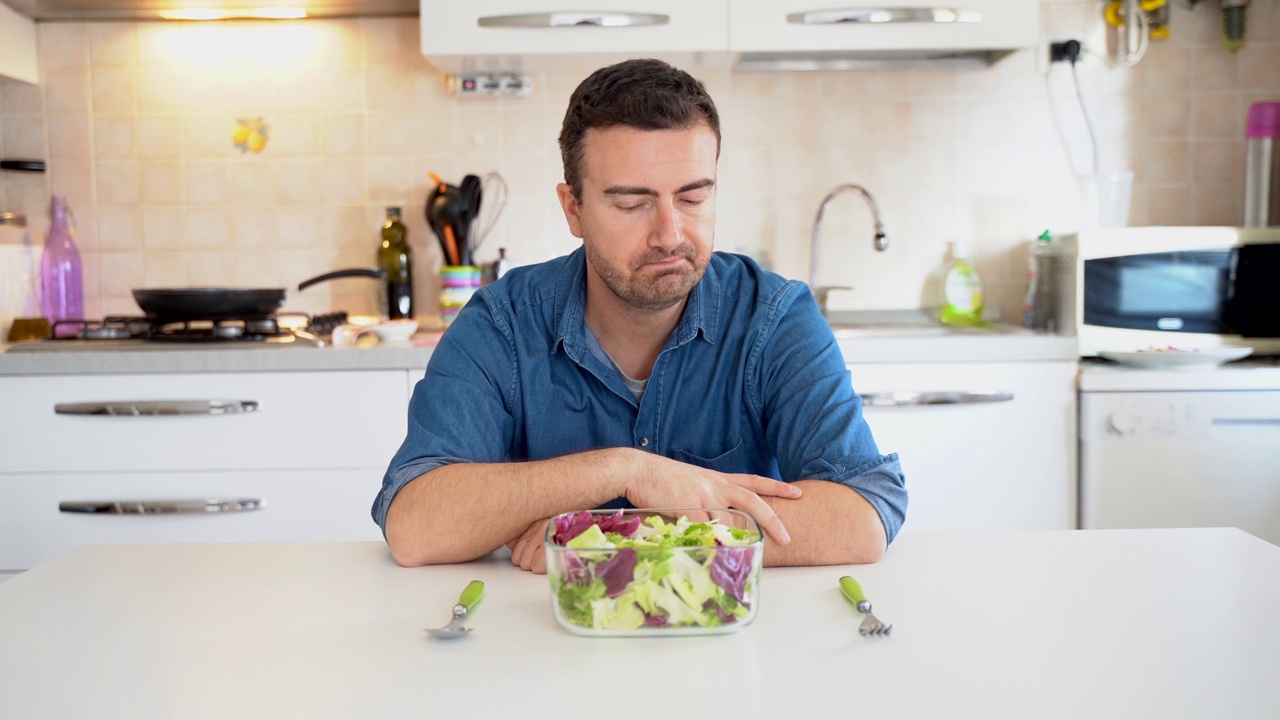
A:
[(457, 284)]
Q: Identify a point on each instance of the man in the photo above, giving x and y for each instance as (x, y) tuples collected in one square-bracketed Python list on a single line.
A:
[(641, 369)]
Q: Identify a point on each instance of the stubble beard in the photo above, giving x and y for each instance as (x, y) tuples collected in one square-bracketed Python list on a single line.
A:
[(647, 292)]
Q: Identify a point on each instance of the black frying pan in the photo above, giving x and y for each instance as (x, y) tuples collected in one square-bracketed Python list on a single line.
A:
[(180, 304)]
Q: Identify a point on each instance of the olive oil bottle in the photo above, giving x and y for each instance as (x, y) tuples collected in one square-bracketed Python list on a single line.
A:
[(396, 261)]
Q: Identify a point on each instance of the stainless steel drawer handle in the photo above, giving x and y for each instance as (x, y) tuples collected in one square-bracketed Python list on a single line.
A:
[(918, 15), (158, 407), (159, 507), (574, 19), (904, 399)]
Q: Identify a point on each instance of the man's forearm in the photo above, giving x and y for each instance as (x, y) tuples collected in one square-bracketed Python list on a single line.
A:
[(464, 511), (831, 524)]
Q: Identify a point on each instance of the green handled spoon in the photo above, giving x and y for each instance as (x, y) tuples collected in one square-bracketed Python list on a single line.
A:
[(470, 596), (870, 624)]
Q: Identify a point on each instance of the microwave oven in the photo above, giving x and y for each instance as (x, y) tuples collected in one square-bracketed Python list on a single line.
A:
[(1128, 289)]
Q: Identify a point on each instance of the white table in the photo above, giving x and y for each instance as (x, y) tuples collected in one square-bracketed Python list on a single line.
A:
[(1077, 624)]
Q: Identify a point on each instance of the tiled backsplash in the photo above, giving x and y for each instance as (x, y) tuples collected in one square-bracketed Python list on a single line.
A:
[(136, 121)]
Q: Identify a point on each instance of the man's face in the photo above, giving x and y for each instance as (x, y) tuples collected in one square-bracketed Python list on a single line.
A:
[(647, 213)]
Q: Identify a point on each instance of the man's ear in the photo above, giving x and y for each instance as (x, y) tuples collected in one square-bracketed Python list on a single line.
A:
[(572, 208)]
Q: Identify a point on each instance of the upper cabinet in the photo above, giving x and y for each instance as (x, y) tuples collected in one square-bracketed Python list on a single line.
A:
[(881, 25), (17, 46), (521, 35)]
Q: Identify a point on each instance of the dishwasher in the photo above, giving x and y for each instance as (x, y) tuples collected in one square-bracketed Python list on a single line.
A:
[(1181, 448)]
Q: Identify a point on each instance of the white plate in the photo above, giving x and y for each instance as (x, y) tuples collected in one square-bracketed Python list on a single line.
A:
[(1205, 357)]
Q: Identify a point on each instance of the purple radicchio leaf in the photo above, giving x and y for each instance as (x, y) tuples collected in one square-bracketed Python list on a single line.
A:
[(730, 570), (570, 526), (725, 617), (616, 523), (658, 621), (575, 571), (618, 571)]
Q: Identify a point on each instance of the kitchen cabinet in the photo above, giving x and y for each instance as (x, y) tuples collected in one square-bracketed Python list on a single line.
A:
[(311, 452), (814, 26), (996, 450), (514, 35), (508, 35), (17, 46)]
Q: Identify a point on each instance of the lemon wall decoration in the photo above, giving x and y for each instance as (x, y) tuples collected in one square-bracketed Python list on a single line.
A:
[(250, 135)]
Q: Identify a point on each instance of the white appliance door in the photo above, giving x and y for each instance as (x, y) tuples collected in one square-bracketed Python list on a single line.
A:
[(1181, 459)]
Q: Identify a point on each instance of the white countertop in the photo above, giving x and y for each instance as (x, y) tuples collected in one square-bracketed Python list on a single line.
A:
[(1076, 624), (1013, 346)]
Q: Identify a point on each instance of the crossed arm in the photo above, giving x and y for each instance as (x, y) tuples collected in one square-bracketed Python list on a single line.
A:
[(464, 511)]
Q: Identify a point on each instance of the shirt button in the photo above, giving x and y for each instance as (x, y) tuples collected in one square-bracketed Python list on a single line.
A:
[(644, 442)]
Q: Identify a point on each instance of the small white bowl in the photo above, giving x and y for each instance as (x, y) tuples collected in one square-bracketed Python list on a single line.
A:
[(395, 330)]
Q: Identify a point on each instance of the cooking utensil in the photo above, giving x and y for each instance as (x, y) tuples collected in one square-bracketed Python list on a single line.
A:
[(870, 624), (470, 596), (445, 210), (181, 304), (23, 165), (494, 188)]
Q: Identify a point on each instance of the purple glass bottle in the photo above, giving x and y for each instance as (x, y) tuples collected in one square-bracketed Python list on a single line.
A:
[(60, 271)]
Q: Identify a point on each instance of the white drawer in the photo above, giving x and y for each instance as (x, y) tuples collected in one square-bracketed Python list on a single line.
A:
[(326, 505), (319, 420)]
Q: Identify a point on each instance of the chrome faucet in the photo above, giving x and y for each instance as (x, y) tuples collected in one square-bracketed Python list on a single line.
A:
[(881, 240)]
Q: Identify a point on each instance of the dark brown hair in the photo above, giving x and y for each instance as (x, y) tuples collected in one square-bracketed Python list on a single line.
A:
[(645, 94)]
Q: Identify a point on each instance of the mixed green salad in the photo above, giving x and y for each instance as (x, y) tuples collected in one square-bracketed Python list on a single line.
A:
[(621, 573)]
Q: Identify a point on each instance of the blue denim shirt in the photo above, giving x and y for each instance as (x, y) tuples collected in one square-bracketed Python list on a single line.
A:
[(751, 381)]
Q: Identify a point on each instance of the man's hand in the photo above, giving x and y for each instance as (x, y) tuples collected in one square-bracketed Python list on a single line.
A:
[(660, 482), (527, 551)]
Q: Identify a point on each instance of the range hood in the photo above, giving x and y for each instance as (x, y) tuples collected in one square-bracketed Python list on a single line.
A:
[(135, 10)]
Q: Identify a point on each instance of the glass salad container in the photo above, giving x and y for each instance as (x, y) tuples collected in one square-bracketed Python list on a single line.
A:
[(654, 572)]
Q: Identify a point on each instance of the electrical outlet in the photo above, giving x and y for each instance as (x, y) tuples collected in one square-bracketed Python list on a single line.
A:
[(489, 86), (1053, 51)]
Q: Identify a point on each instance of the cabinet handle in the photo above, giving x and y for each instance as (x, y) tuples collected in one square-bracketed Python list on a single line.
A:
[(159, 507), (573, 19), (910, 398), (927, 15), (138, 408)]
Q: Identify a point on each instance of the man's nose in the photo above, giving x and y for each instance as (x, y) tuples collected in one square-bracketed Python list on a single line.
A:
[(666, 227)]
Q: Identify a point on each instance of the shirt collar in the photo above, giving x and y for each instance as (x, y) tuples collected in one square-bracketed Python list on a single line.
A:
[(701, 314)]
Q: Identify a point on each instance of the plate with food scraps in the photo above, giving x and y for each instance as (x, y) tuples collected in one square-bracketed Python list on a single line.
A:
[(1170, 358)]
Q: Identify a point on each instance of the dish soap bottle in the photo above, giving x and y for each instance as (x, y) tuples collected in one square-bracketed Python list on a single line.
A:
[(396, 262), (61, 275), (961, 290)]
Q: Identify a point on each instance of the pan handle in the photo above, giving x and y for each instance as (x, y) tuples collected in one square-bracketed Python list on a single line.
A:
[(357, 272)]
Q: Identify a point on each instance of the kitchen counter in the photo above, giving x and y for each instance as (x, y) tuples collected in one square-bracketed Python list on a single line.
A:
[(1097, 624), (862, 345)]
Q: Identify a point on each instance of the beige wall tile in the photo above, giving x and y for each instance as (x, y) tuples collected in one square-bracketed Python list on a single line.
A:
[(251, 181), (293, 135), (258, 269), (254, 228), (298, 182), (66, 91), (1218, 163), (164, 228), (62, 46), (207, 183), (121, 273), (1171, 205), (209, 229), (70, 137), (159, 91), (1222, 205), (1215, 116), (113, 45), (163, 183), (1170, 116), (166, 270), (1260, 67), (74, 179), (343, 135), (120, 228), (389, 132), (23, 136), (114, 137), (119, 183), (114, 92), (1166, 162), (343, 181), (1168, 69), (160, 137), (212, 269)]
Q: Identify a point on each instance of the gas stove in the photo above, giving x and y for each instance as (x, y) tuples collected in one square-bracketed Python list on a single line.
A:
[(130, 333)]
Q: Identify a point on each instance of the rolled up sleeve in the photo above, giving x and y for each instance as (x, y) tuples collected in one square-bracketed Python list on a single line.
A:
[(461, 409)]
